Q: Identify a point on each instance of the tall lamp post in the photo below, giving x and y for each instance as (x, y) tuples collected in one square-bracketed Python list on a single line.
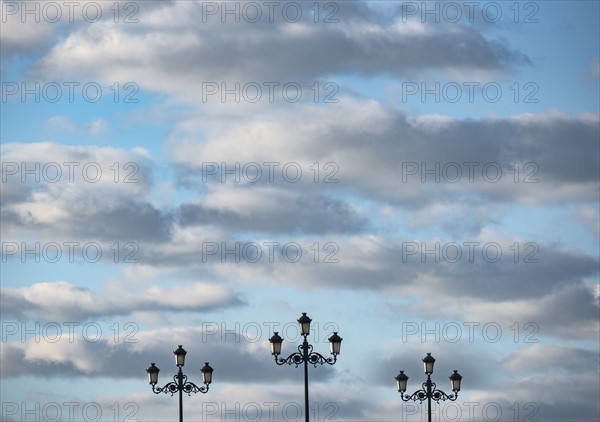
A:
[(180, 383), (305, 354), (429, 391)]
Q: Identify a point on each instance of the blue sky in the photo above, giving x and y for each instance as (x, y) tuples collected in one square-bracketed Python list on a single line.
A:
[(179, 206)]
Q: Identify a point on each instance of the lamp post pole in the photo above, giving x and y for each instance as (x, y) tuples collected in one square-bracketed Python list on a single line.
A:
[(305, 354), (305, 359), (180, 388), (429, 398), (429, 391), (180, 384)]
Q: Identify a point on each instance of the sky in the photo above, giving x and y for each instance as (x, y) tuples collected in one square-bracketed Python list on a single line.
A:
[(420, 177)]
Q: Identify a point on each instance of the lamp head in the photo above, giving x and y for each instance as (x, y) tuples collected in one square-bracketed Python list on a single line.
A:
[(304, 322), (152, 374), (276, 341)]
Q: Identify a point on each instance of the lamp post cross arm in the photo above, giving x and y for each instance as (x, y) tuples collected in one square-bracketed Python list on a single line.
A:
[(173, 387), (422, 395), (305, 354)]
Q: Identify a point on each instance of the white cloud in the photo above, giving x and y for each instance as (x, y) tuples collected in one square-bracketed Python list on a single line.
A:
[(60, 125), (412, 160), (20, 33), (58, 190), (63, 301), (259, 52), (551, 359), (590, 218), (169, 53)]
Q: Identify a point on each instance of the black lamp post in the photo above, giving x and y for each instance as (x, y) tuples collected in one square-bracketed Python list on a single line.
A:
[(180, 383), (429, 391), (305, 354)]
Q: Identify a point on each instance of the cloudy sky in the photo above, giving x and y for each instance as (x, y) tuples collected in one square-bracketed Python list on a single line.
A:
[(417, 176)]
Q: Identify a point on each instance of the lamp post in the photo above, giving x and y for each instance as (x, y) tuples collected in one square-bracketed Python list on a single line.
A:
[(305, 354), (180, 383), (429, 391)]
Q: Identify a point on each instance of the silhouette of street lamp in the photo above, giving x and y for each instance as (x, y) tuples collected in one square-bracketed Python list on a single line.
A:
[(180, 383), (305, 354), (429, 391)]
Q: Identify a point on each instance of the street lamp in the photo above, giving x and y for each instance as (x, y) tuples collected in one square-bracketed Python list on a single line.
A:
[(180, 383), (429, 391), (305, 354)]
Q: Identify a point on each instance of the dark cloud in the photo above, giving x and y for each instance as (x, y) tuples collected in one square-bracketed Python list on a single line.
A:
[(487, 269), (99, 202), (130, 220), (370, 215), (506, 279), (580, 404), (333, 49), (301, 214), (277, 51), (487, 145), (230, 356), (64, 301), (410, 162), (391, 265), (15, 305), (552, 360), (578, 318), (500, 391)]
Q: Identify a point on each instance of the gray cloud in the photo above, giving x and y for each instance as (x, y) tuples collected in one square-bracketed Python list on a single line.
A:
[(128, 220), (578, 318), (471, 363), (78, 193), (367, 215), (65, 301), (482, 388), (298, 214), (265, 51), (392, 157), (483, 267), (236, 360), (580, 404), (552, 360)]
